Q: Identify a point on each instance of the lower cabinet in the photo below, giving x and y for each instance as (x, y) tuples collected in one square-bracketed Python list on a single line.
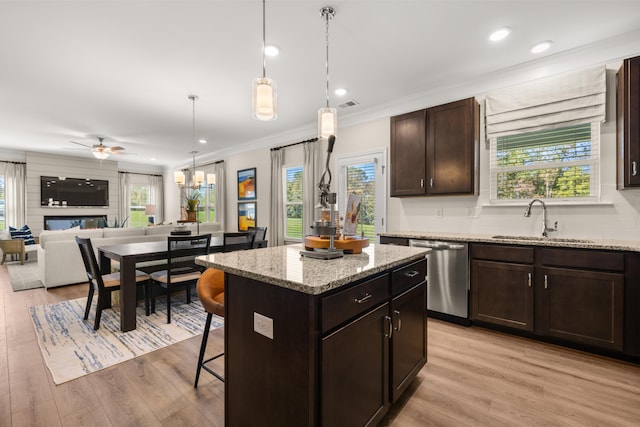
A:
[(355, 371), (580, 306), (502, 294), (573, 295), (368, 361)]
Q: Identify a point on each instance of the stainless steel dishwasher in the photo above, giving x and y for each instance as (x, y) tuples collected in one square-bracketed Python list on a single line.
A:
[(447, 279)]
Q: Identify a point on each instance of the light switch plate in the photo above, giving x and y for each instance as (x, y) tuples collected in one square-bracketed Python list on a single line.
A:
[(263, 325)]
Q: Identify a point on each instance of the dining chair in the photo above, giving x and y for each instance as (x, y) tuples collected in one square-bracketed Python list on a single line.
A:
[(105, 284), (211, 293), (237, 241), (181, 267), (260, 232)]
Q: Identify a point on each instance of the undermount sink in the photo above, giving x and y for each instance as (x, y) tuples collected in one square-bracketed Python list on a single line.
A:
[(542, 239)]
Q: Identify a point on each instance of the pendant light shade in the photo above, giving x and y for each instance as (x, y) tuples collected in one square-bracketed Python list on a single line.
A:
[(327, 116), (327, 122), (265, 100), (264, 91)]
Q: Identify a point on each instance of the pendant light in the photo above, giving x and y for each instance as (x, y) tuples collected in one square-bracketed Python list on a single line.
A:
[(197, 177), (265, 98), (327, 116)]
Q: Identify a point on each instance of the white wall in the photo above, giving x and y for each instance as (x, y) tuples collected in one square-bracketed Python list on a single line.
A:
[(617, 217)]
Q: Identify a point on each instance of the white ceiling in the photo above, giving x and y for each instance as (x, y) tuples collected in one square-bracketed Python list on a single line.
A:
[(75, 70)]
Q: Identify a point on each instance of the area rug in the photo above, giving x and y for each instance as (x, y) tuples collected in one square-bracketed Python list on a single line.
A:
[(71, 348), (25, 276)]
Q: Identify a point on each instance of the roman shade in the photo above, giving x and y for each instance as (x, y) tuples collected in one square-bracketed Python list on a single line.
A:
[(552, 102)]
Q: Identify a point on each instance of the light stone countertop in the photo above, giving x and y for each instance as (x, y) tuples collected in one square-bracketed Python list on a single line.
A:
[(284, 266), (552, 241)]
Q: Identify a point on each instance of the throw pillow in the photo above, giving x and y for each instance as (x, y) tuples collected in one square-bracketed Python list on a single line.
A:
[(22, 233)]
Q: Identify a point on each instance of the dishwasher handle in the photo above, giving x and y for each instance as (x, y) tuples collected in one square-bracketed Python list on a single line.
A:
[(436, 245)]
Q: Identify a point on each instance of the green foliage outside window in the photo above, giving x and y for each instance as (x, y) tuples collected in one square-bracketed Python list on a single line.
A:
[(556, 163)]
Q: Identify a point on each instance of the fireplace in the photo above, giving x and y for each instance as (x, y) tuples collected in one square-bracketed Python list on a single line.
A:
[(64, 222)]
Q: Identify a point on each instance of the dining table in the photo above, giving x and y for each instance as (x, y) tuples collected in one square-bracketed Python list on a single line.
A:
[(129, 255)]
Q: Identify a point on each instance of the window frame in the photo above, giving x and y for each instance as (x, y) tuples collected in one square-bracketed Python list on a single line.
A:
[(286, 203), (595, 173)]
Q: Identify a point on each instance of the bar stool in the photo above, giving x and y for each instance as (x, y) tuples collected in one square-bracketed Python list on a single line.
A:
[(211, 293)]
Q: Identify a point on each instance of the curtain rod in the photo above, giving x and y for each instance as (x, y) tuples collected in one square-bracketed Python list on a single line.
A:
[(139, 173), (13, 163), (295, 143)]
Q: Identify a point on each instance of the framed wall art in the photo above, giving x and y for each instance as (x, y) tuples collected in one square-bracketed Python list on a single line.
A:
[(247, 184), (247, 215)]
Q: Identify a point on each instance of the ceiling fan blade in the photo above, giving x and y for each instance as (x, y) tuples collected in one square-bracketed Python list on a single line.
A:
[(114, 149), (79, 143)]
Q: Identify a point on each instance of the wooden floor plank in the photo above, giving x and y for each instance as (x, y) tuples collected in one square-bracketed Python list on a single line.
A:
[(474, 377)]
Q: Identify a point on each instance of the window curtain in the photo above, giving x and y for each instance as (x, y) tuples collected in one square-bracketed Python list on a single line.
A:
[(276, 223), (547, 103), (309, 192), (124, 181), (156, 183), (14, 194), (221, 194)]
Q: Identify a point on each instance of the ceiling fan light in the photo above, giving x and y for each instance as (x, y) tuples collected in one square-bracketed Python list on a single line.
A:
[(327, 122), (265, 99), (100, 154)]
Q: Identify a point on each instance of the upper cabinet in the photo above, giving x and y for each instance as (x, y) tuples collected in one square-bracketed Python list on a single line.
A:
[(628, 123), (435, 151)]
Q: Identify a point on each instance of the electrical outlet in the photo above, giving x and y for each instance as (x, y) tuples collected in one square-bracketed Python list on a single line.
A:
[(263, 325), (439, 212)]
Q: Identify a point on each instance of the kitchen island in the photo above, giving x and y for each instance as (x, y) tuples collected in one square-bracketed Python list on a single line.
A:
[(320, 342)]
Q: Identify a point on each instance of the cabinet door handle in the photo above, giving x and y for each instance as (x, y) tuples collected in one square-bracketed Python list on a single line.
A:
[(363, 299), (546, 282), (412, 273), (389, 332), (422, 183), (397, 314), (529, 279), (634, 168), (431, 182)]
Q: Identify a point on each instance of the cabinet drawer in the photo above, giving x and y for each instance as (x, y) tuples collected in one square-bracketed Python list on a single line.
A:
[(408, 276), (502, 253), (342, 306), (576, 258)]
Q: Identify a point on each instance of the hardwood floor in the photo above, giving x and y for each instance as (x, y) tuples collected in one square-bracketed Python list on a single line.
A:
[(474, 377)]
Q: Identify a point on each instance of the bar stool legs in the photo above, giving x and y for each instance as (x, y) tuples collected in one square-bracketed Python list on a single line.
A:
[(202, 363)]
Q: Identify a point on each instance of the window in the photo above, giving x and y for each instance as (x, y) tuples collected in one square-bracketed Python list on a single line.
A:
[(362, 175), (139, 198), (557, 164), (293, 203), (2, 205), (207, 206)]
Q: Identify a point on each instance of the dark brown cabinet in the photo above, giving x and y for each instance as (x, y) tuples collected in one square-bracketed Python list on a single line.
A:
[(573, 295), (581, 306), (408, 339), (502, 294), (355, 366), (435, 151), (368, 361), (628, 123)]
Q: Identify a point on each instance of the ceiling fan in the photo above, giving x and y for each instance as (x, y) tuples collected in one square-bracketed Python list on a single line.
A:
[(101, 151)]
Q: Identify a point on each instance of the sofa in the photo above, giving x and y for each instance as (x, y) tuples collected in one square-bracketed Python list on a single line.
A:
[(59, 260)]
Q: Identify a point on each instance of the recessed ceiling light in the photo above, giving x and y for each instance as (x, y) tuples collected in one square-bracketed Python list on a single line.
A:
[(153, 159), (500, 34), (341, 92), (202, 141), (271, 50), (541, 47)]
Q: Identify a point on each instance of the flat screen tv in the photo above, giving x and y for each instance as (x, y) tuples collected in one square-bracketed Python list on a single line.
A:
[(79, 192)]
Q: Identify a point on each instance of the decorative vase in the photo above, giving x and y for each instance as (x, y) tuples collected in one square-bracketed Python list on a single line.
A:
[(192, 216)]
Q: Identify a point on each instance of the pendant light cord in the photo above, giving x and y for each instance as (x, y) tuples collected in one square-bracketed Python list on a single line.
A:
[(264, 38), (328, 13)]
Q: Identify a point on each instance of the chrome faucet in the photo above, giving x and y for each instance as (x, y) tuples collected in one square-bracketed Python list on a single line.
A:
[(545, 229)]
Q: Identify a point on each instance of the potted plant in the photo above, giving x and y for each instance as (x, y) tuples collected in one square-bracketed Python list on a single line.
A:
[(193, 199)]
